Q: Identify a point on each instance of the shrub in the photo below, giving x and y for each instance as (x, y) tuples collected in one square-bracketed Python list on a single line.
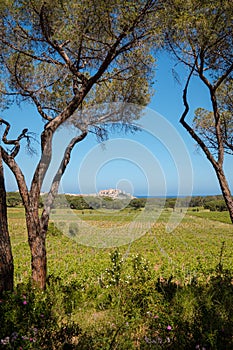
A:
[(134, 308), (28, 321), (216, 205)]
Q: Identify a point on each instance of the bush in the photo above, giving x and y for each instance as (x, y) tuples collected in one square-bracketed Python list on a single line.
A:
[(28, 321), (137, 203), (13, 199), (216, 205), (134, 309)]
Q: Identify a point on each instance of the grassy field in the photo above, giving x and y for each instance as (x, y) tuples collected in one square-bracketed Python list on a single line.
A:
[(212, 215), (195, 242), (164, 290)]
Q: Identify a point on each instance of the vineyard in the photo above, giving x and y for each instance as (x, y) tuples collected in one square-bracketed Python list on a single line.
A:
[(161, 290)]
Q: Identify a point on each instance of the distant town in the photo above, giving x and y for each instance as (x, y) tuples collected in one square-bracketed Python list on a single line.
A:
[(111, 192)]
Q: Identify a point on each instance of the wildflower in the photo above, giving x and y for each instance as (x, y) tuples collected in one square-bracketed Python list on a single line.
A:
[(169, 328), (24, 337), (156, 316), (14, 336), (168, 339), (5, 341), (25, 302)]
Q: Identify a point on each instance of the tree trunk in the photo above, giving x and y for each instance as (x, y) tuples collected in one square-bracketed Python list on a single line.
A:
[(225, 191), (6, 258), (217, 164), (36, 240), (37, 227)]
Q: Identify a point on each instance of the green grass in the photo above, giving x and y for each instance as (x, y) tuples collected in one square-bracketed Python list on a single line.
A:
[(126, 298), (195, 242), (212, 215)]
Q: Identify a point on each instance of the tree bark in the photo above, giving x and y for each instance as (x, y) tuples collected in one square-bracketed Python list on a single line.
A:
[(6, 258), (225, 191), (36, 240)]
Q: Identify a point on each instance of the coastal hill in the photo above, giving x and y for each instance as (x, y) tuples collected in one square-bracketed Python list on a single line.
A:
[(114, 193)]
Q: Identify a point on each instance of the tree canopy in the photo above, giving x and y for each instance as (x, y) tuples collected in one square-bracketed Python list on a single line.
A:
[(200, 32), (53, 52), (204, 123)]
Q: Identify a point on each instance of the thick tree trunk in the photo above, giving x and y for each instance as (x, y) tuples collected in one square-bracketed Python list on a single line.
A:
[(6, 258), (225, 191), (37, 244)]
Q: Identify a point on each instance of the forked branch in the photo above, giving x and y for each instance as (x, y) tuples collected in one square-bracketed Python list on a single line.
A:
[(188, 127), (57, 178), (15, 142), (14, 167)]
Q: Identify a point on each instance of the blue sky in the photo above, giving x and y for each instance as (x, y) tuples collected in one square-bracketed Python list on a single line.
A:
[(151, 165)]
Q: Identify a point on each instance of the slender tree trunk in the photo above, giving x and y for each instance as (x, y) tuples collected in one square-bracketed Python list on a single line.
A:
[(217, 164), (37, 244), (225, 191), (6, 258)]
